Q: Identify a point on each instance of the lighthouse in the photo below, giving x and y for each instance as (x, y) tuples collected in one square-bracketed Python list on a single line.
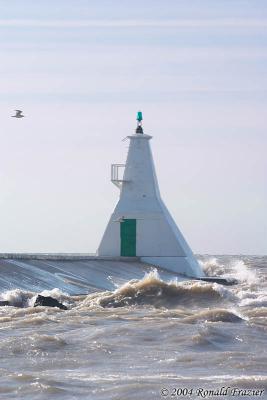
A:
[(141, 225)]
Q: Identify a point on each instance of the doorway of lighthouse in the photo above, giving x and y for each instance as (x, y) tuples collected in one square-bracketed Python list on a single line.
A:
[(128, 237)]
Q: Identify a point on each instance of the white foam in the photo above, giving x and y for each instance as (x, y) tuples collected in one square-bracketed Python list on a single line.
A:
[(23, 298), (258, 301), (241, 272), (55, 293), (17, 297), (212, 267)]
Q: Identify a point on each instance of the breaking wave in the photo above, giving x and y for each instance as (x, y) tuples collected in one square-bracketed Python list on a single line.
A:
[(23, 298), (212, 267), (241, 272), (236, 269), (257, 301), (151, 290)]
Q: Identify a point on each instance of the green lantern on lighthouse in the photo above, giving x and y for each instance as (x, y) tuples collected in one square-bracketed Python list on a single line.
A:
[(139, 116), (139, 119)]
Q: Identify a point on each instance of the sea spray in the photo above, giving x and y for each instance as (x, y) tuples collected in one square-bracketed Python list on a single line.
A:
[(18, 297), (212, 267), (23, 298), (242, 273)]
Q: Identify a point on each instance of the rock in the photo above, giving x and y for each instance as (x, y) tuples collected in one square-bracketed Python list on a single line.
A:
[(4, 303), (48, 302)]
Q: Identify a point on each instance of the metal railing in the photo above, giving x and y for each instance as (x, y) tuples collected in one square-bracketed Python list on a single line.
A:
[(117, 171)]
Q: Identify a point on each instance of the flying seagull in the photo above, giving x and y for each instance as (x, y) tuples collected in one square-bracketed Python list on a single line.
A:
[(18, 114), (122, 219)]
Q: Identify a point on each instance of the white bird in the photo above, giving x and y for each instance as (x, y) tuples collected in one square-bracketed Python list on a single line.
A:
[(121, 219), (18, 114)]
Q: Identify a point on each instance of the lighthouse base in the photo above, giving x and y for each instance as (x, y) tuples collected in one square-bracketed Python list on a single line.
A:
[(187, 266)]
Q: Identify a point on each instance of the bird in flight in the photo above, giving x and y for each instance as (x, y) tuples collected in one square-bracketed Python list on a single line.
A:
[(18, 114), (121, 219)]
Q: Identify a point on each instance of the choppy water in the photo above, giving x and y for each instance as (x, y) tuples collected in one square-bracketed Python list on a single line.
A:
[(148, 334)]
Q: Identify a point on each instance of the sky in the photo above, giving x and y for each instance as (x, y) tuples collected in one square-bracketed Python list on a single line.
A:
[(80, 69)]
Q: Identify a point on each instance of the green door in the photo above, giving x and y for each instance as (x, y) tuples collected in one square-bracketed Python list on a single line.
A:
[(128, 238)]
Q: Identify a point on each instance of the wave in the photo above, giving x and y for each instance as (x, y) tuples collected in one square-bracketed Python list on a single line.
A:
[(23, 298), (236, 269), (151, 290), (214, 315), (259, 301), (212, 267), (241, 272)]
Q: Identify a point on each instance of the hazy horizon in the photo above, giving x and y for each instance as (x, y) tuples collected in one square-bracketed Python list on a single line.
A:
[(80, 72)]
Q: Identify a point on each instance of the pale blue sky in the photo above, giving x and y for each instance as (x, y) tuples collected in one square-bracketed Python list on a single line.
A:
[(81, 69)]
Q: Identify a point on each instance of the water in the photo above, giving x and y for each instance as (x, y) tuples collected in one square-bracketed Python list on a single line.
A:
[(137, 338)]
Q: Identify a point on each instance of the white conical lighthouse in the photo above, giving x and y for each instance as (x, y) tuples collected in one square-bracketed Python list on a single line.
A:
[(141, 226)]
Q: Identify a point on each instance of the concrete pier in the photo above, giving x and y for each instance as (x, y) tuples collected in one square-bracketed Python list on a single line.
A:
[(71, 273), (64, 257)]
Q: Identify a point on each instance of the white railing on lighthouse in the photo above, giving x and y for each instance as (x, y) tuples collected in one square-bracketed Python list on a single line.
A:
[(117, 171)]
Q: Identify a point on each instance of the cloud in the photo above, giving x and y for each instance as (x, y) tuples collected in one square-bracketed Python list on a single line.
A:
[(132, 23)]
